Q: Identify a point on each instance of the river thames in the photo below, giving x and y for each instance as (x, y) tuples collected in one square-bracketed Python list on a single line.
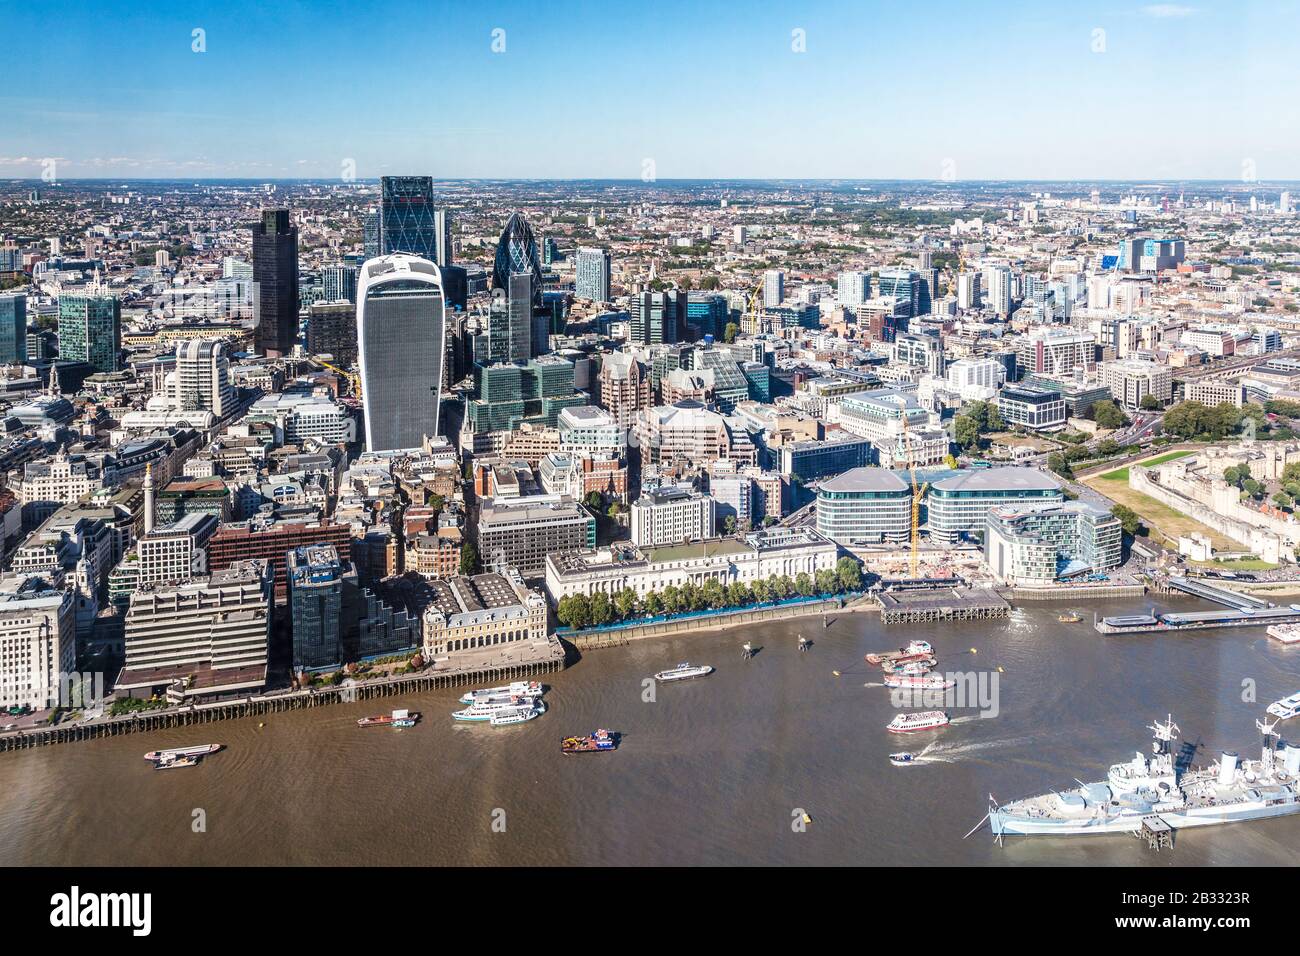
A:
[(712, 771)]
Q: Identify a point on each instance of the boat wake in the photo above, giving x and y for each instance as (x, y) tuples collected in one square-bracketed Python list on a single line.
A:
[(949, 753)]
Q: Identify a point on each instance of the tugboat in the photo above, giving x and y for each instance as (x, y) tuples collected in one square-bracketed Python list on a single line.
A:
[(921, 720), (1164, 788), (398, 718), (902, 759), (683, 672), (600, 741)]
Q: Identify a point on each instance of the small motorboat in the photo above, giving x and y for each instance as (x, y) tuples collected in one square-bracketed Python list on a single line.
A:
[(1070, 617), (902, 759)]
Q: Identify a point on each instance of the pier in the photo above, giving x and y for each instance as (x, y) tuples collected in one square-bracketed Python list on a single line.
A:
[(532, 663), (1218, 595), (1204, 620), (940, 604)]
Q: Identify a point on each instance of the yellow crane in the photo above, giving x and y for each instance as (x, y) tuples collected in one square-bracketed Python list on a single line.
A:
[(353, 378), (917, 494)]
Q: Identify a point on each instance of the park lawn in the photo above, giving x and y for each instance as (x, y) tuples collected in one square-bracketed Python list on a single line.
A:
[(1246, 564), (1157, 516), (1121, 474)]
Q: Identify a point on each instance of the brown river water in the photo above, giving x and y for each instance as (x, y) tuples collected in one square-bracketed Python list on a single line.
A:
[(711, 771)]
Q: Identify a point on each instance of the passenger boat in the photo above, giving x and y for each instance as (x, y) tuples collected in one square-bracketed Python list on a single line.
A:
[(398, 718), (909, 667), (921, 720), (518, 715), (1069, 617), (1286, 708), (902, 759), (919, 681), (483, 711), (915, 651), (519, 688), (599, 741), (683, 672), (202, 750)]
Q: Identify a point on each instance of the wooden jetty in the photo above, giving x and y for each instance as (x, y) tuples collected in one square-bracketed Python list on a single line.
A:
[(941, 604)]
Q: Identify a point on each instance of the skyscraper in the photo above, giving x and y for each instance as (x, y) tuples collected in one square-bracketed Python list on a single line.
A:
[(90, 330), (517, 253), (519, 301), (339, 283), (401, 330), (442, 236), (773, 287), (592, 274), (853, 288), (13, 328), (406, 217), (370, 234), (203, 377), (905, 286), (275, 271), (656, 317)]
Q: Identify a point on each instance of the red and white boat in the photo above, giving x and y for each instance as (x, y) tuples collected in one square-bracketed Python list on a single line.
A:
[(921, 720), (919, 681), (915, 651)]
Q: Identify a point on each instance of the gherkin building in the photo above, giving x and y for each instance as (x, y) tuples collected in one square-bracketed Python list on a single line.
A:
[(517, 252)]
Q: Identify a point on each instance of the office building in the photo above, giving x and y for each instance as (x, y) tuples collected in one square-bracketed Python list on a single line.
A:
[(656, 317), (520, 534), (516, 254), (1130, 381), (238, 542), (38, 646), (818, 458), (339, 283), (407, 221), (591, 277), (201, 379), (401, 324), (773, 288), (13, 328), (905, 287), (275, 273), (1038, 409), (673, 516), (332, 331), (320, 584), (483, 611), (624, 387), (90, 331), (865, 506), (200, 638), (853, 288), (958, 507)]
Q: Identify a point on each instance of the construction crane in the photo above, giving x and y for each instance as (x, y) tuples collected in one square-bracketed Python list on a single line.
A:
[(754, 314), (353, 378), (917, 494)]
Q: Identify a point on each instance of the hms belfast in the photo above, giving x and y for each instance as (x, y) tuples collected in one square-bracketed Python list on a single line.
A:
[(1164, 789)]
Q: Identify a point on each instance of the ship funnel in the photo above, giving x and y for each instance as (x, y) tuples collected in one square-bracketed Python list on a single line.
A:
[(1227, 768), (1291, 761)]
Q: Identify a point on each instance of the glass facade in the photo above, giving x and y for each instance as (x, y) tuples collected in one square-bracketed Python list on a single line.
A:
[(401, 329), (13, 329), (407, 217), (275, 272), (90, 330), (517, 253)]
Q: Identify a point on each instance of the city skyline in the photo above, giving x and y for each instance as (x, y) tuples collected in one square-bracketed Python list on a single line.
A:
[(1119, 94)]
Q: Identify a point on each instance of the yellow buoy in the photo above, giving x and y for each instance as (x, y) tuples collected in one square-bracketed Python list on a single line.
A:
[(973, 651), (999, 668), (807, 819), (836, 673)]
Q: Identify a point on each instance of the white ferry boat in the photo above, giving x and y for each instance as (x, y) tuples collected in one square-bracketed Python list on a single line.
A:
[(519, 688), (684, 672), (483, 711), (518, 715), (1161, 787), (921, 720), (919, 681), (1286, 708)]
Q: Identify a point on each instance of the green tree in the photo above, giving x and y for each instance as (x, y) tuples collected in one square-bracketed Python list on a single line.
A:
[(468, 558), (729, 525), (1129, 519), (1232, 476), (1057, 463), (827, 582), (729, 332), (625, 603), (595, 501), (966, 431), (1149, 403), (803, 584), (1108, 415), (849, 573), (602, 611), (653, 604), (1284, 501)]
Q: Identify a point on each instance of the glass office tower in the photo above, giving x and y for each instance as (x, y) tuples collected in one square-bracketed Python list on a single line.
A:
[(13, 328), (401, 331), (275, 272), (90, 330), (517, 253), (407, 219)]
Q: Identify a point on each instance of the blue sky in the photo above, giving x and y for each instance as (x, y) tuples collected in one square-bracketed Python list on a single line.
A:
[(703, 89)]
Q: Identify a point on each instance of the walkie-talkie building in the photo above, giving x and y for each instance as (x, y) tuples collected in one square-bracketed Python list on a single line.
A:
[(401, 331)]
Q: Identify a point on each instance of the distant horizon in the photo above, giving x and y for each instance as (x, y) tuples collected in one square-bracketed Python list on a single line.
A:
[(938, 183)]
